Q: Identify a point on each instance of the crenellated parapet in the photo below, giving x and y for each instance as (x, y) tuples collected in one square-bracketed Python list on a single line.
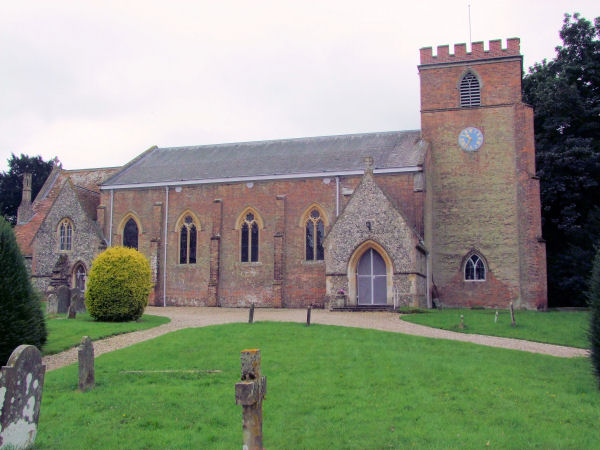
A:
[(513, 48)]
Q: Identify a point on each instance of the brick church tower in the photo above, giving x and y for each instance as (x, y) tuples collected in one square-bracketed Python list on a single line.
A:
[(483, 224)]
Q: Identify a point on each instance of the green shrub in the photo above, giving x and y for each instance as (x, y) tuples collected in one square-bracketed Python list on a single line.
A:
[(21, 317), (594, 303), (119, 285)]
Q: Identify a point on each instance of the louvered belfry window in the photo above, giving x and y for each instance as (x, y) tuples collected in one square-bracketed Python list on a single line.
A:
[(470, 91)]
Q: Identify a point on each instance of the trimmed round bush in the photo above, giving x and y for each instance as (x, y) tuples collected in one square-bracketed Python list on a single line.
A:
[(21, 317), (119, 285)]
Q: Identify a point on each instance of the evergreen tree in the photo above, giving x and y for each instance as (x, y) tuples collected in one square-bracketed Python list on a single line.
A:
[(594, 303), (565, 94), (21, 317), (11, 182)]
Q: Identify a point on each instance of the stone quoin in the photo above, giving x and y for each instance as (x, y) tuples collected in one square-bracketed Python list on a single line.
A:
[(448, 214)]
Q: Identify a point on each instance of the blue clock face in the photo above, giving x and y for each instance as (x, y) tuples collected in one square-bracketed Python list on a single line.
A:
[(470, 139)]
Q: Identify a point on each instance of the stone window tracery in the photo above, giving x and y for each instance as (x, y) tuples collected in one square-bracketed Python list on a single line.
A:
[(188, 241), (475, 269), (65, 235), (249, 238), (470, 90), (315, 233), (131, 234)]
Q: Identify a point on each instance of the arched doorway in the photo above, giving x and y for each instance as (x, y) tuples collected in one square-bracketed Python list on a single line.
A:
[(371, 279), (79, 277)]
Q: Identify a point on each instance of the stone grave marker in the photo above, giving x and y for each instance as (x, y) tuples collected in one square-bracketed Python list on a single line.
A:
[(249, 393), (64, 299), (52, 304), (21, 383), (77, 300), (72, 312), (85, 354)]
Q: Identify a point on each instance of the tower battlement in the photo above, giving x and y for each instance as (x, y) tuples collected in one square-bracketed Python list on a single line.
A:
[(513, 48)]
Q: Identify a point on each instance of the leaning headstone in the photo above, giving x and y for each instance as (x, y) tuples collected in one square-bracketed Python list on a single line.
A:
[(64, 299), (52, 304), (250, 393), (21, 383), (72, 311), (85, 353), (77, 300)]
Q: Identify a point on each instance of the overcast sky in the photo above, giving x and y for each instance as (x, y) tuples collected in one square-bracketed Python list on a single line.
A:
[(96, 83)]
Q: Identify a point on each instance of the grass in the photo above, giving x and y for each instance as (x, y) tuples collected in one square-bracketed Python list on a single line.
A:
[(65, 333), (328, 387), (555, 327)]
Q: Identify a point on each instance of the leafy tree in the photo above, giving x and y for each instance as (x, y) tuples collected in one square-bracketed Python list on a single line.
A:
[(11, 182), (594, 303), (21, 320), (565, 94)]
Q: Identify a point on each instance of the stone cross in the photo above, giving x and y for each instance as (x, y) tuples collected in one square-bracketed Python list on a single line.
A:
[(85, 354), (21, 383), (249, 393)]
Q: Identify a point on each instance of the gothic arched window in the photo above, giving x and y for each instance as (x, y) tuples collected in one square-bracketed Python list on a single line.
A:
[(65, 235), (475, 269), (315, 233), (470, 90), (130, 234), (249, 238), (187, 241)]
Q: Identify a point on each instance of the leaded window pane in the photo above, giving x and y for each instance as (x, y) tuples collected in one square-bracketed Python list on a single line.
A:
[(183, 241), (479, 270), (63, 236), (69, 234), (130, 234), (309, 241), (192, 244), (254, 251), (245, 231), (320, 237), (469, 270)]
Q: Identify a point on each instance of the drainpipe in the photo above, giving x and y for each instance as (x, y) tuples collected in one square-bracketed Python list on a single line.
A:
[(165, 246), (112, 191), (337, 196)]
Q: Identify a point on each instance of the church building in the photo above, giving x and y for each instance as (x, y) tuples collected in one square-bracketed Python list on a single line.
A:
[(445, 215)]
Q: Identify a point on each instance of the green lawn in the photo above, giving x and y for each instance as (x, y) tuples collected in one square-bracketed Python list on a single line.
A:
[(554, 327), (328, 387), (65, 333)]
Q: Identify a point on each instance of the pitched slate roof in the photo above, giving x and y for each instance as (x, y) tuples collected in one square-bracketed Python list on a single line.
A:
[(87, 183), (394, 149)]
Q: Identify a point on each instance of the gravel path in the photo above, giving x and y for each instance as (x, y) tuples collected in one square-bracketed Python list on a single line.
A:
[(191, 317)]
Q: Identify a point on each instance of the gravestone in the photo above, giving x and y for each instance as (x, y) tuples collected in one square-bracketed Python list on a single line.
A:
[(71, 311), (64, 299), (77, 300), (85, 354), (250, 393), (21, 383), (52, 304)]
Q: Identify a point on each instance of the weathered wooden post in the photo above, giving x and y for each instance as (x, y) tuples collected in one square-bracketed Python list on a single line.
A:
[(308, 315), (21, 384), (251, 314), (249, 393), (85, 354), (512, 315)]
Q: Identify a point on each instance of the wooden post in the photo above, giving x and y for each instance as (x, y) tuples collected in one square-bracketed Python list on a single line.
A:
[(512, 315), (251, 314), (308, 316), (462, 322), (249, 393)]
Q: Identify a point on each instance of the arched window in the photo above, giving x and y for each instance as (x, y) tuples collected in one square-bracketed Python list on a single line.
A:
[(470, 91), (187, 241), (65, 235), (249, 238), (315, 233), (130, 234), (475, 269)]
